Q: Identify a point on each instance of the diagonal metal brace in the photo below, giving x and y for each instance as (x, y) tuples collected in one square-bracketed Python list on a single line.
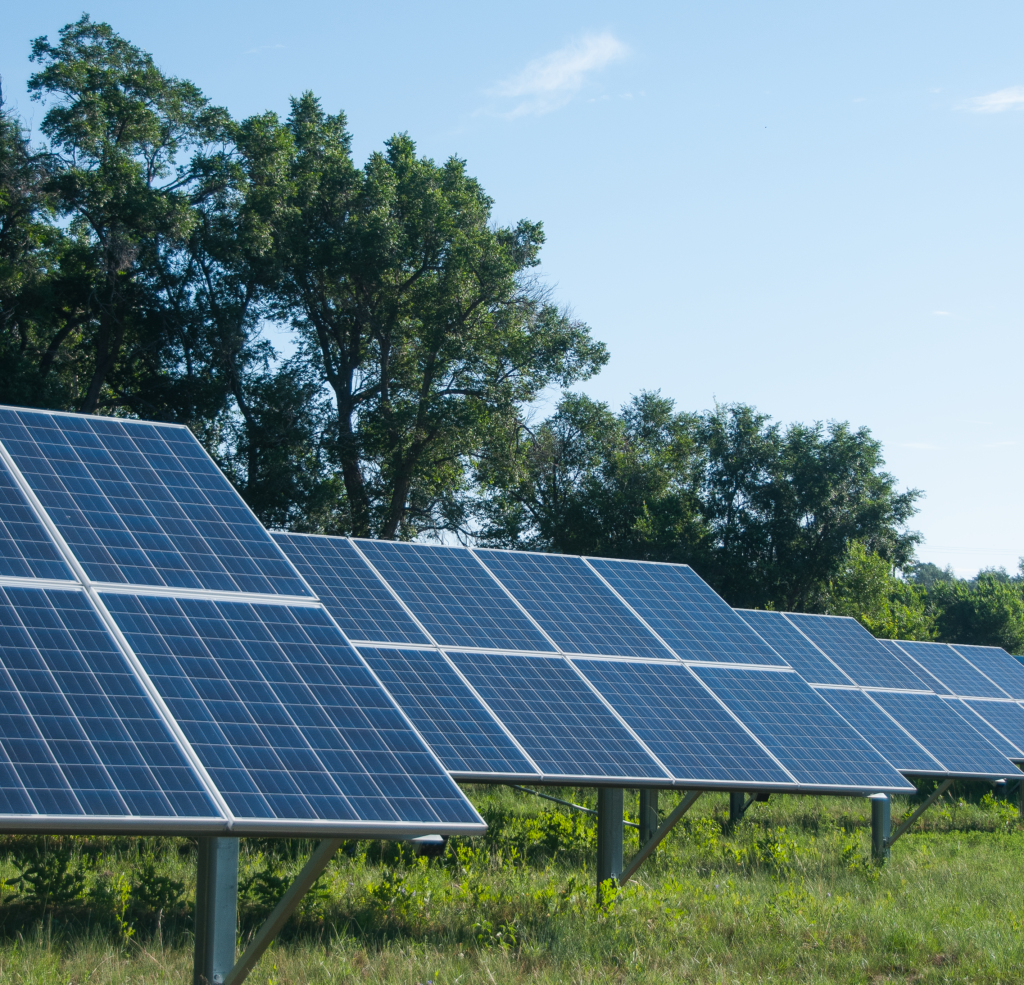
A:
[(659, 836), (902, 829), (286, 906), (567, 803)]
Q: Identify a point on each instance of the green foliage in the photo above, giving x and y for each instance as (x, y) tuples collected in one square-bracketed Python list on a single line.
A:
[(50, 873), (989, 612)]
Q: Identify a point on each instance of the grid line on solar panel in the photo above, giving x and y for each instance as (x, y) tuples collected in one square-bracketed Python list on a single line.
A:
[(795, 648), (284, 715), (816, 745), (682, 723), (574, 607), (997, 664), (453, 596), (26, 549), (927, 677), (684, 612), (851, 647), (446, 712), (143, 504), (79, 735), (1007, 718), (565, 728), (361, 603), (951, 672)]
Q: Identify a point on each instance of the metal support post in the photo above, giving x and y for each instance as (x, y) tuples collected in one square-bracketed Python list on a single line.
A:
[(737, 800), (905, 826), (658, 837), (216, 910), (1000, 789), (880, 822), (609, 835), (648, 814)]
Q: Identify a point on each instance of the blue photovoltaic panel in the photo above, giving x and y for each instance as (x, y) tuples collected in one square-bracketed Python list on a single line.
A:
[(143, 504), (284, 716), (558, 720), (1006, 717), (929, 679), (954, 674), (446, 713), (682, 723), (452, 595), (77, 734), (685, 612), (803, 732), (995, 662), (857, 652), (360, 603), (574, 607), (951, 739), (881, 731), (26, 550), (790, 644)]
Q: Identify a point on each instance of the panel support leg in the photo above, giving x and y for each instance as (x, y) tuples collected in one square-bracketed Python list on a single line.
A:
[(737, 801), (905, 826), (216, 910), (656, 839), (648, 814), (880, 823), (609, 835)]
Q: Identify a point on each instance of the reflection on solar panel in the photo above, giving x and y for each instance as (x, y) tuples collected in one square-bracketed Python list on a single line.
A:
[(881, 731), (683, 724), (1007, 718), (285, 718), (563, 726), (453, 596), (803, 732), (26, 550), (958, 745), (997, 664), (953, 674), (790, 644), (685, 612), (77, 734), (856, 651), (446, 712), (144, 504), (930, 680), (359, 601), (572, 604)]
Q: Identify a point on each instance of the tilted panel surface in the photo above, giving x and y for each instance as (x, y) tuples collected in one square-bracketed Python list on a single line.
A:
[(857, 652), (453, 596), (572, 604), (684, 611), (960, 746), (78, 736), (882, 732), (26, 550), (790, 644), (955, 674), (446, 712), (1006, 717), (360, 603), (558, 720), (806, 735), (995, 662), (283, 715), (929, 679), (682, 724), (143, 504)]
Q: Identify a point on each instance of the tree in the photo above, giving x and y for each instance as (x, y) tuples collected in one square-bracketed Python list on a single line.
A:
[(989, 612)]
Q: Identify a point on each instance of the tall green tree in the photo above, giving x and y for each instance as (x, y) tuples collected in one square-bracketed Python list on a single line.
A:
[(988, 611)]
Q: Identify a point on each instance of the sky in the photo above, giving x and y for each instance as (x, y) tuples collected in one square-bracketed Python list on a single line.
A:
[(812, 208)]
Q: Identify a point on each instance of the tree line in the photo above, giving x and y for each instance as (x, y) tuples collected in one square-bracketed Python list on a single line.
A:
[(149, 240)]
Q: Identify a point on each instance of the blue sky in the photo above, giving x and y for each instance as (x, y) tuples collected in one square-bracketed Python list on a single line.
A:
[(813, 208)]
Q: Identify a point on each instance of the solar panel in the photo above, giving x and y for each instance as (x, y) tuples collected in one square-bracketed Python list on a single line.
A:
[(685, 612), (682, 723), (849, 645), (573, 606), (790, 644), (563, 726), (1007, 718), (801, 730), (446, 713), (78, 737), (361, 604), (26, 550), (282, 713), (143, 504), (452, 595), (952, 673), (996, 664)]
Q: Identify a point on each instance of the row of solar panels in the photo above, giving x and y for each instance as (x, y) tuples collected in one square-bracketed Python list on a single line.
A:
[(168, 664)]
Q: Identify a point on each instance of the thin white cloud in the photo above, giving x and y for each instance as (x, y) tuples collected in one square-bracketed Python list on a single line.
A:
[(945, 314), (549, 83), (265, 47), (995, 102)]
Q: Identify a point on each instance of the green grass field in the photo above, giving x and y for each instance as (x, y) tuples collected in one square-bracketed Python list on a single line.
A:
[(788, 895)]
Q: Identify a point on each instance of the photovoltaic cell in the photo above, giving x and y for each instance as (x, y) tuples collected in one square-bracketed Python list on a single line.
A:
[(954, 674), (574, 607), (882, 732), (558, 720), (284, 716), (996, 663), (803, 732), (453, 596), (1006, 717), (857, 652), (360, 603), (681, 723), (685, 612), (143, 504), (929, 679), (26, 550), (77, 734), (446, 713), (790, 644)]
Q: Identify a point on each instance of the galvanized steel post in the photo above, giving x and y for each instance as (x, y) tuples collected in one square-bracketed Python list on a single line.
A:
[(880, 825), (609, 835), (737, 800), (649, 821), (216, 910)]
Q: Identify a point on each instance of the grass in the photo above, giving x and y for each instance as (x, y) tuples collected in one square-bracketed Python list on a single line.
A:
[(790, 894)]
